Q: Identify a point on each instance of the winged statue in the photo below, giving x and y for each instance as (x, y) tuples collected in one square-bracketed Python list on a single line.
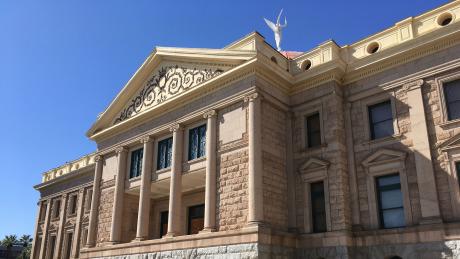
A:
[(277, 29)]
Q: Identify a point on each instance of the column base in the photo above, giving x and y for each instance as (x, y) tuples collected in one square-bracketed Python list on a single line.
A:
[(139, 239), (430, 220), (113, 243), (170, 235), (89, 245), (207, 230)]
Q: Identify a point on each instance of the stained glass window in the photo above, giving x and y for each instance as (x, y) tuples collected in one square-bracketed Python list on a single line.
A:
[(197, 142), (136, 163), (164, 153)]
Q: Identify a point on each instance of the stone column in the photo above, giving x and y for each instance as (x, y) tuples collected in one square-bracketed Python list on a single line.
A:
[(91, 238), (35, 237), (175, 189), (60, 233), (352, 169), (77, 231), (210, 191), (45, 230), (255, 180), (117, 211), (422, 153), (292, 222), (143, 214)]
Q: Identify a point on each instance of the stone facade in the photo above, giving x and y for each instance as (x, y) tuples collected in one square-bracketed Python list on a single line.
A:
[(236, 179)]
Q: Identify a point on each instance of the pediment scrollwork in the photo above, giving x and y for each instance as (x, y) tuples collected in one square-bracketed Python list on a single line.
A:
[(164, 84)]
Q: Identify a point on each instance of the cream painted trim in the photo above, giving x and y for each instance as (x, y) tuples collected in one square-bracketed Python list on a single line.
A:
[(315, 170), (375, 168)]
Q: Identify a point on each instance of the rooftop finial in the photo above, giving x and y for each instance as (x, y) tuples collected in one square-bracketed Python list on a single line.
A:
[(277, 29)]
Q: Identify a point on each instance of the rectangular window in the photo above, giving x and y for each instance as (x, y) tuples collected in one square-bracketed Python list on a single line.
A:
[(164, 223), (73, 204), (84, 236), (52, 246), (68, 247), (89, 197), (457, 169), (452, 95), (197, 142), (381, 120), (390, 199), (313, 130), (195, 219), (43, 212), (38, 244), (136, 163), (57, 208), (164, 153), (318, 207)]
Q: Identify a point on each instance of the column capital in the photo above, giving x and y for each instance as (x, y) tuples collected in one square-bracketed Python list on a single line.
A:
[(412, 85), (175, 127), (98, 158), (119, 150), (210, 113), (251, 97), (146, 139)]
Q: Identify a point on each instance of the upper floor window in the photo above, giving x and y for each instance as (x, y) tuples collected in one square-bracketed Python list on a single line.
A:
[(195, 219), (57, 208), (197, 142), (390, 201), (136, 163), (381, 120), (313, 130), (318, 207), (89, 196), (164, 153), (452, 95), (73, 204)]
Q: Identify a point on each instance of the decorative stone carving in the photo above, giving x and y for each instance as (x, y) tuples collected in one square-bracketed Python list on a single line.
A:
[(412, 85), (165, 83), (146, 139), (251, 97), (209, 113), (119, 150), (175, 127)]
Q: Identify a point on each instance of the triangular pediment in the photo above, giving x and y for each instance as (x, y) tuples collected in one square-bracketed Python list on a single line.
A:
[(451, 143), (167, 75), (383, 156), (314, 164)]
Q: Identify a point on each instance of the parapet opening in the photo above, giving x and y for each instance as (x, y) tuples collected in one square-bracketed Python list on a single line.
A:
[(373, 47), (306, 64), (445, 19)]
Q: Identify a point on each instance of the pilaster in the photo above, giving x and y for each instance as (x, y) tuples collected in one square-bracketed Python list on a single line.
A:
[(211, 181), (45, 230), (91, 239), (60, 233), (117, 212), (77, 231)]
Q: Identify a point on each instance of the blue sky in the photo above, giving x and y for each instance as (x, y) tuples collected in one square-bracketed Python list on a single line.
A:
[(62, 62)]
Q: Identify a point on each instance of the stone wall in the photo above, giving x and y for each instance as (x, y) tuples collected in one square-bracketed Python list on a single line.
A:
[(274, 166), (104, 218), (232, 189)]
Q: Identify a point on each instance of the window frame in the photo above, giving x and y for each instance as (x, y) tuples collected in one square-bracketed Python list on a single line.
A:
[(442, 98), (393, 162), (301, 114), (73, 203), (379, 200), (157, 151), (161, 222), (189, 219), (313, 174), (307, 130), (187, 140), (373, 124), (313, 221), (373, 100), (131, 151), (452, 155)]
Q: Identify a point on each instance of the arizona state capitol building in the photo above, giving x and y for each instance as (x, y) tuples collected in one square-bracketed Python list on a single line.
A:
[(243, 152)]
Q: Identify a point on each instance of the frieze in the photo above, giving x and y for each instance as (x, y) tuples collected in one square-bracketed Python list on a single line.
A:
[(165, 83)]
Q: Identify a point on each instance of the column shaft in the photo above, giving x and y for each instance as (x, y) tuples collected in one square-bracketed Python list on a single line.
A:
[(117, 212), (210, 191), (91, 238), (175, 190), (255, 187), (76, 237), (144, 197), (60, 233), (45, 230), (421, 147), (35, 237)]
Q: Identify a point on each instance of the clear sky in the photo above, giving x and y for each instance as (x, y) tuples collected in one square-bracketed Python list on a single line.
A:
[(62, 62)]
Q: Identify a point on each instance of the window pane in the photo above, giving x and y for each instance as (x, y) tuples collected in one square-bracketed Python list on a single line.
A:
[(391, 199), (136, 163), (383, 129), (169, 152), (381, 112), (193, 144), (164, 153), (452, 91), (195, 219), (318, 207), (313, 130), (202, 139), (393, 218), (164, 223), (388, 180)]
